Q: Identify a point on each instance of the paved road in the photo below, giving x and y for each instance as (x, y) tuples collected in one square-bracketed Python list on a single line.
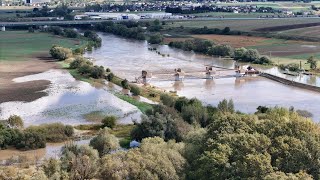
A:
[(41, 23)]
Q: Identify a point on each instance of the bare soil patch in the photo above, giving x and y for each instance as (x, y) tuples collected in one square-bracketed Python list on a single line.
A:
[(27, 91), (234, 41)]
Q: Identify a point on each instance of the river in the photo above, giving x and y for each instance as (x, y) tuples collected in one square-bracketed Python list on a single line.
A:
[(127, 58)]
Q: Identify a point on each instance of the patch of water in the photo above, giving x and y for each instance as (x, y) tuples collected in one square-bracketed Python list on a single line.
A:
[(67, 102)]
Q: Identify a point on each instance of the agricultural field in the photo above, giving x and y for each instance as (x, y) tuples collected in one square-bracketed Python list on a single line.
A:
[(231, 15), (281, 51), (21, 45), (305, 32), (242, 24)]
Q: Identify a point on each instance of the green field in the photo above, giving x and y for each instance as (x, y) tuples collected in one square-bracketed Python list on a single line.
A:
[(21, 45), (240, 24)]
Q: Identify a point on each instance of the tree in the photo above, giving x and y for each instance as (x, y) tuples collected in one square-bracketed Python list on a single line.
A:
[(15, 121), (110, 76), (31, 140), (239, 53), (109, 121), (125, 84), (105, 142), (251, 55), (80, 162), (225, 106), (155, 159), (60, 53), (313, 62), (155, 39)]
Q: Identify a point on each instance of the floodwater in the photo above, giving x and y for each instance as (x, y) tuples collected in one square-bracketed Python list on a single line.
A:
[(127, 58), (52, 150), (68, 102)]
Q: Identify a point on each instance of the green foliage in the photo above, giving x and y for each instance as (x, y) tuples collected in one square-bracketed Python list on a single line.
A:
[(30, 30), (79, 61), (167, 100), (163, 122), (251, 55), (71, 33), (194, 113), (225, 106), (291, 67), (221, 50), (31, 139), (105, 142), (135, 90), (79, 162), (109, 121), (125, 84), (110, 76), (155, 159), (197, 45), (155, 39), (55, 132), (255, 147), (313, 62), (60, 53), (9, 137), (15, 121), (129, 30)]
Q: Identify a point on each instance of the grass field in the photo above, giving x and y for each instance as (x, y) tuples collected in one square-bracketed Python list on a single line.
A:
[(232, 15), (20, 45)]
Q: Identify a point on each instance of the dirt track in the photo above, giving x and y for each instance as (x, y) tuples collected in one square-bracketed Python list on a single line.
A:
[(28, 91)]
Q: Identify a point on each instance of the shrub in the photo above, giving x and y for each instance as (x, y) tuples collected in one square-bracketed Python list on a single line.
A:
[(155, 39), (15, 121), (109, 121), (167, 100), (110, 76), (79, 61), (97, 72), (31, 139), (105, 142), (264, 60), (71, 33), (251, 55), (221, 50), (60, 53), (135, 90), (125, 84)]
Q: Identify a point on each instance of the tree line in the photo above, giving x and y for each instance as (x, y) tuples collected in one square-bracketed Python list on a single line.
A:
[(210, 48), (33, 137)]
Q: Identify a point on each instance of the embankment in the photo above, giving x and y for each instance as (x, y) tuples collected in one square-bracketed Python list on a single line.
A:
[(291, 83)]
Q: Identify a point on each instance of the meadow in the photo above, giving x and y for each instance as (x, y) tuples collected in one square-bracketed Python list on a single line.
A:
[(21, 45)]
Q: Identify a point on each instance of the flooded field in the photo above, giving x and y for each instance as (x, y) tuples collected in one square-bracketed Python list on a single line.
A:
[(68, 102), (52, 150), (128, 58)]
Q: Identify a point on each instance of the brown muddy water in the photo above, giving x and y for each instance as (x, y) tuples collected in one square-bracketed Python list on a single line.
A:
[(127, 58)]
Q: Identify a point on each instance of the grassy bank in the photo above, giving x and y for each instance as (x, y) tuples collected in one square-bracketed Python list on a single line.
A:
[(22, 45)]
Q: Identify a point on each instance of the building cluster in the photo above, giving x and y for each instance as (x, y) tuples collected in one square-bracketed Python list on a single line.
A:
[(126, 15)]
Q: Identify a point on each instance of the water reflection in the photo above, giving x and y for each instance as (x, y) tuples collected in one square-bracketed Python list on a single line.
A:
[(127, 58)]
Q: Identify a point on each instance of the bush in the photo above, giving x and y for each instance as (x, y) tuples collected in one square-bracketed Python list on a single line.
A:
[(15, 121), (31, 140), (251, 55), (135, 90), (109, 121), (55, 132), (125, 84), (105, 142), (30, 30), (79, 61), (110, 76), (264, 60), (167, 100), (221, 50), (60, 53), (155, 39), (71, 33), (97, 72)]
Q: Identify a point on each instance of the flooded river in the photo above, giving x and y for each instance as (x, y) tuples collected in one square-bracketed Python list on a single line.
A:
[(127, 58)]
